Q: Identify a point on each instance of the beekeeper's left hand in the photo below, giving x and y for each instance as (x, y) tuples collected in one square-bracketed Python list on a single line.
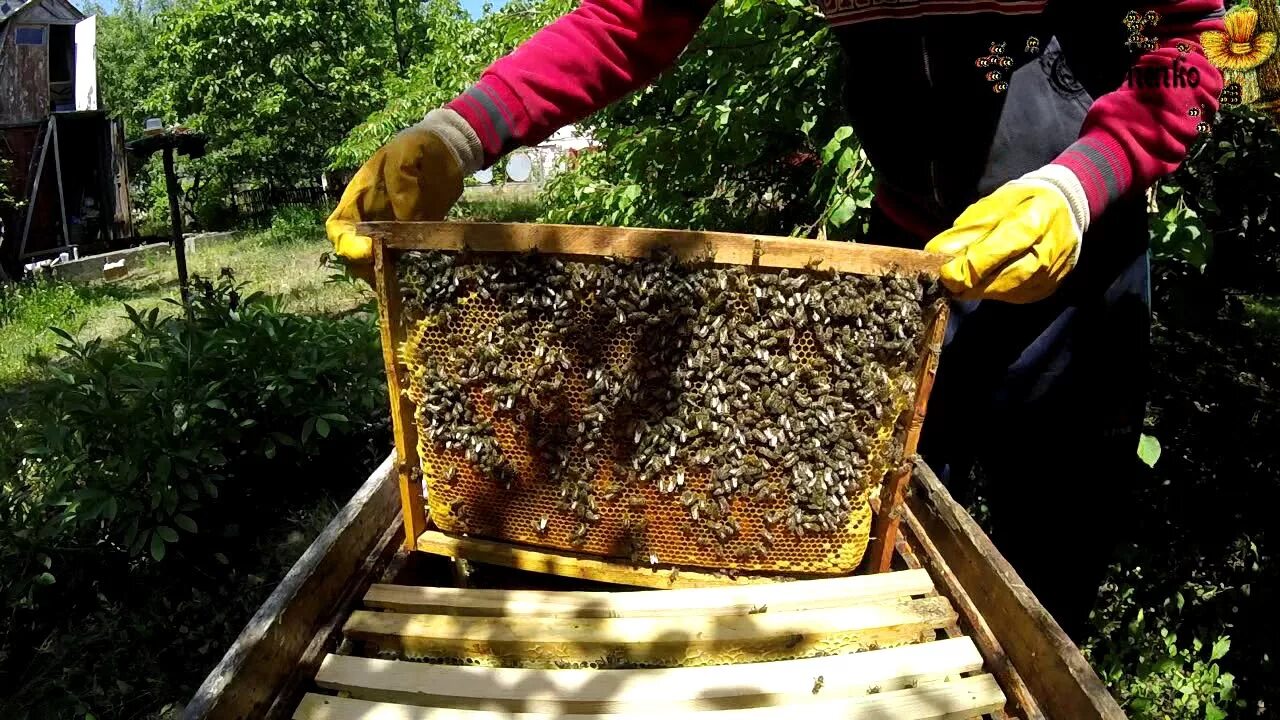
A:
[(1018, 243)]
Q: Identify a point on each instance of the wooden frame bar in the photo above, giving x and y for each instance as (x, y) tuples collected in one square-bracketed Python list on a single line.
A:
[(568, 564), (755, 251), (662, 641), (888, 516), (387, 286), (705, 602), (711, 687), (959, 700)]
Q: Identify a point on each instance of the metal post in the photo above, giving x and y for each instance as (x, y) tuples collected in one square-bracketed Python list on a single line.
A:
[(175, 220)]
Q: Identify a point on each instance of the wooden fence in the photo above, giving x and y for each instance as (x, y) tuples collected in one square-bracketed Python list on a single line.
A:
[(260, 202)]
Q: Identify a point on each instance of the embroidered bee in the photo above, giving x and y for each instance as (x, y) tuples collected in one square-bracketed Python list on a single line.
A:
[(1231, 94), (999, 87), (1151, 18), (994, 76), (1204, 128), (1193, 112), (1133, 19), (1033, 45), (1005, 62), (985, 62), (997, 48)]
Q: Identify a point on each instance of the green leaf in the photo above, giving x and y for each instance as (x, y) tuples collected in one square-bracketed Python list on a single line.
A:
[(157, 547), (167, 533), (45, 579), (185, 523), (216, 404), (843, 211), (1220, 648), (163, 466), (322, 427), (1149, 450)]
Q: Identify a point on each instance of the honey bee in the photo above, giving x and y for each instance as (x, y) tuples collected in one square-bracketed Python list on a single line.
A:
[(818, 682)]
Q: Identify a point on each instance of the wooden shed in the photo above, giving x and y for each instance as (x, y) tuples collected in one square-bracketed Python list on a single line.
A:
[(66, 157)]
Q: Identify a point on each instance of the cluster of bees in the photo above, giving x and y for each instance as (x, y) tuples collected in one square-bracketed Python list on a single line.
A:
[(997, 64), (1232, 94), (657, 369), (1139, 24)]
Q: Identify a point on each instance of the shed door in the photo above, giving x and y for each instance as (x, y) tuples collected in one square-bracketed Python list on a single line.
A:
[(86, 78)]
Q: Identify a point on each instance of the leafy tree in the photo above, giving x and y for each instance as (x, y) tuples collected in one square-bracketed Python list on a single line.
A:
[(274, 83), (460, 51), (129, 76)]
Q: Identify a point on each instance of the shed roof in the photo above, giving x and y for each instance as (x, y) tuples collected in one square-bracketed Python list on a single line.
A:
[(51, 11)]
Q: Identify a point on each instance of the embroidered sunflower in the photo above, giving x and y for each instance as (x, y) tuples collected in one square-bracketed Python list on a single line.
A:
[(1241, 47)]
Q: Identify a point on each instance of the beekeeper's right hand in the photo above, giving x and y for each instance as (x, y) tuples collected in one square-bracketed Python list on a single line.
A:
[(417, 175)]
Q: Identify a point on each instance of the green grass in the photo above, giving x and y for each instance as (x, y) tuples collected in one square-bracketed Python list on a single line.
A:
[(276, 261)]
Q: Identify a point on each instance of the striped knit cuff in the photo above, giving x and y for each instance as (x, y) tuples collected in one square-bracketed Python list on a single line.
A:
[(458, 136), (487, 108), (1065, 182), (1101, 166)]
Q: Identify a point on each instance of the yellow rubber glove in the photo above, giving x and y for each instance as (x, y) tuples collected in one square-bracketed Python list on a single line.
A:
[(1015, 245), (415, 176)]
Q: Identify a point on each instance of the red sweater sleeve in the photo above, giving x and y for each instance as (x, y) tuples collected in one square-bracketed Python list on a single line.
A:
[(580, 63), (1142, 131)]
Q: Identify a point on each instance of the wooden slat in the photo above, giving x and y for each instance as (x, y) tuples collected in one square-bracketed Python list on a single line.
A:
[(585, 240), (956, 700), (620, 691), (256, 668), (800, 595), (568, 564), (971, 623), (692, 640), (405, 431), (888, 517), (986, 643), (1056, 673)]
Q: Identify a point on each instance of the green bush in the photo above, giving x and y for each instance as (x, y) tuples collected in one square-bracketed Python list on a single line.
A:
[(295, 222), (510, 210), (166, 439)]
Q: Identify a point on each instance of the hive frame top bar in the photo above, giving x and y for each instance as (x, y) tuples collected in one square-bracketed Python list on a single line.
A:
[(718, 247)]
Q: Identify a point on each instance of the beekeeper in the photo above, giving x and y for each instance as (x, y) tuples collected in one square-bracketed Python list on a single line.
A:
[(1009, 135)]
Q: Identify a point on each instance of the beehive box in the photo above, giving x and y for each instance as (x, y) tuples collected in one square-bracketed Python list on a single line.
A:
[(664, 398)]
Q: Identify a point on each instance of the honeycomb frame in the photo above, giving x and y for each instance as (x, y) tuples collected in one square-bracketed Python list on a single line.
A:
[(462, 501)]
